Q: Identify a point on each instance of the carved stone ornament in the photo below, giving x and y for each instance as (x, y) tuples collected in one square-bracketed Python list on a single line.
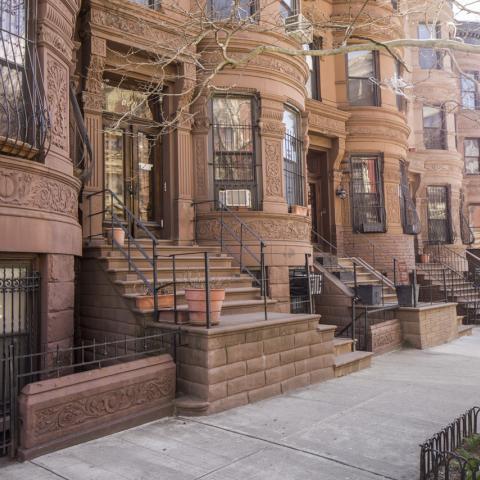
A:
[(23, 189), (57, 78), (268, 228), (200, 167), (273, 171), (90, 409)]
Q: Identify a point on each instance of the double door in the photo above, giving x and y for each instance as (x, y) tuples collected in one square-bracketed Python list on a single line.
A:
[(132, 171)]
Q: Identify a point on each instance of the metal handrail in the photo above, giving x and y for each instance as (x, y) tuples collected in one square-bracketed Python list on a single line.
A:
[(225, 227)]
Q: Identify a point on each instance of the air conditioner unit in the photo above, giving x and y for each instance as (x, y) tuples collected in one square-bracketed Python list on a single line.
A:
[(236, 198), (299, 28)]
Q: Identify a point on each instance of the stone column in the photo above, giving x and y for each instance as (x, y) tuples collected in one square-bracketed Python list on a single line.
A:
[(272, 132)]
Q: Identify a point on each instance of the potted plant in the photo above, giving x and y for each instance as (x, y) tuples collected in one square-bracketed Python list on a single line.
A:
[(195, 295), (117, 234), (165, 299), (424, 258)]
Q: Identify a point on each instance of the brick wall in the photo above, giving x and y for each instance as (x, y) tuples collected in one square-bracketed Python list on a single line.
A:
[(232, 366)]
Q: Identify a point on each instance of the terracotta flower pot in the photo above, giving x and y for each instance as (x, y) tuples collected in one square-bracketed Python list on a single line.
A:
[(145, 302), (425, 258), (118, 234), (197, 305)]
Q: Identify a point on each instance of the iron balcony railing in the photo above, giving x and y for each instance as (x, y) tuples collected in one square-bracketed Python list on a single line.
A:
[(24, 117)]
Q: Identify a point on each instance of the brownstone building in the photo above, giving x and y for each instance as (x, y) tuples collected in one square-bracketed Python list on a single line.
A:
[(131, 163)]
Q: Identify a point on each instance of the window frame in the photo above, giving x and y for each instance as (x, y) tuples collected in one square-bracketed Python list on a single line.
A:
[(477, 140), (287, 11), (475, 91), (438, 53), (358, 225), (314, 78), (253, 184), (443, 140), (293, 171), (376, 93), (253, 14)]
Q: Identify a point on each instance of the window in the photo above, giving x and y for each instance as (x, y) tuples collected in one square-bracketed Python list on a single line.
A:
[(367, 194), (395, 5), (434, 128), (438, 213), (408, 211), (292, 157), (471, 149), (154, 4), (23, 117), (288, 8), (313, 82), (130, 149), (429, 58), (225, 9), (362, 72), (234, 169), (469, 88)]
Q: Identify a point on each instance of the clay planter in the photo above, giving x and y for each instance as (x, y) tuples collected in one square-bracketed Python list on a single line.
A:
[(425, 258), (145, 302), (299, 210), (118, 235), (197, 305)]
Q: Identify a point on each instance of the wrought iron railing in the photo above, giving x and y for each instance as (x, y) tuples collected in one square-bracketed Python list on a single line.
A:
[(439, 457), (19, 369), (81, 151), (24, 118)]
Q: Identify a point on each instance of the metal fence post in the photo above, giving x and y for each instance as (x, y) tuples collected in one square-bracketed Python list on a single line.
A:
[(241, 247), (174, 278), (13, 401), (263, 279), (207, 290), (354, 315), (309, 286), (444, 275), (415, 287), (155, 281)]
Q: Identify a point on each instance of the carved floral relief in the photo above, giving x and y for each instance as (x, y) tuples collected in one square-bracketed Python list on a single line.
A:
[(57, 78), (273, 171)]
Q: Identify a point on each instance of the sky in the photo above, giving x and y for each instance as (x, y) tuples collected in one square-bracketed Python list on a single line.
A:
[(472, 5)]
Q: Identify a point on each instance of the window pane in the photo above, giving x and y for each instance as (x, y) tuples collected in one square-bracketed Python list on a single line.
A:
[(287, 8), (12, 31), (471, 147), (124, 101), (292, 155), (290, 144), (13, 111), (428, 58), (471, 165), (468, 92), (223, 9), (361, 92), (114, 157), (426, 31), (432, 117), (360, 64), (312, 85)]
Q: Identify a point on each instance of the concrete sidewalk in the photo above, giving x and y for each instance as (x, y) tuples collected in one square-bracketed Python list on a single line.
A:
[(364, 426)]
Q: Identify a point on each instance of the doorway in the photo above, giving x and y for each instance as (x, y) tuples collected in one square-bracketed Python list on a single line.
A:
[(319, 195)]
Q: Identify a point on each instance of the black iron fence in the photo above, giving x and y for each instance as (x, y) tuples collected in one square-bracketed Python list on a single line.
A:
[(18, 369), (439, 455)]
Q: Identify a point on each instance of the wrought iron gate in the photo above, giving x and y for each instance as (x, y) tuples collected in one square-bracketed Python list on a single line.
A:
[(19, 320)]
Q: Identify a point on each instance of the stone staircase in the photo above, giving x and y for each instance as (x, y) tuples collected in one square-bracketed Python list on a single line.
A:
[(106, 283), (343, 268), (347, 360), (446, 283)]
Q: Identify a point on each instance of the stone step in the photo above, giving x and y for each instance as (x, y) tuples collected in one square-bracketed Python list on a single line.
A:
[(465, 330), (106, 250), (352, 362), (342, 345), (190, 406), (460, 320)]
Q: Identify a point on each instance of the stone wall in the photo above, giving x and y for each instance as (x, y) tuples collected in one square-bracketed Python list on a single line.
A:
[(59, 412), (227, 367), (430, 325), (385, 337)]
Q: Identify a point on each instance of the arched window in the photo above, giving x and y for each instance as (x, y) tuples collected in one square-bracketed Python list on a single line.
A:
[(23, 118)]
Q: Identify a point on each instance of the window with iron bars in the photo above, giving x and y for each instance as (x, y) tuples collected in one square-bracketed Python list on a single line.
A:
[(24, 122), (438, 214), (234, 153), (293, 158), (408, 211), (367, 194)]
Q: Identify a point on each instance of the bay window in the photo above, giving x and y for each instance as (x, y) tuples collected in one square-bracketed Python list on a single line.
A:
[(234, 165), (434, 128), (471, 149), (367, 193), (293, 157), (362, 72)]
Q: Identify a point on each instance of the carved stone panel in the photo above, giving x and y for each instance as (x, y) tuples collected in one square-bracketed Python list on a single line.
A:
[(273, 168)]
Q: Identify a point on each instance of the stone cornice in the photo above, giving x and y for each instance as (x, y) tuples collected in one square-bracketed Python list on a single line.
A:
[(325, 119)]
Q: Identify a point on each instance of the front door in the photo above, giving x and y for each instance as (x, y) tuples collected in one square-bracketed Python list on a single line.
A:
[(132, 159)]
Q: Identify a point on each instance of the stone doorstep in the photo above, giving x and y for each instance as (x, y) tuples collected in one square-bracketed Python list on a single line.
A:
[(342, 345), (352, 362), (465, 330)]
